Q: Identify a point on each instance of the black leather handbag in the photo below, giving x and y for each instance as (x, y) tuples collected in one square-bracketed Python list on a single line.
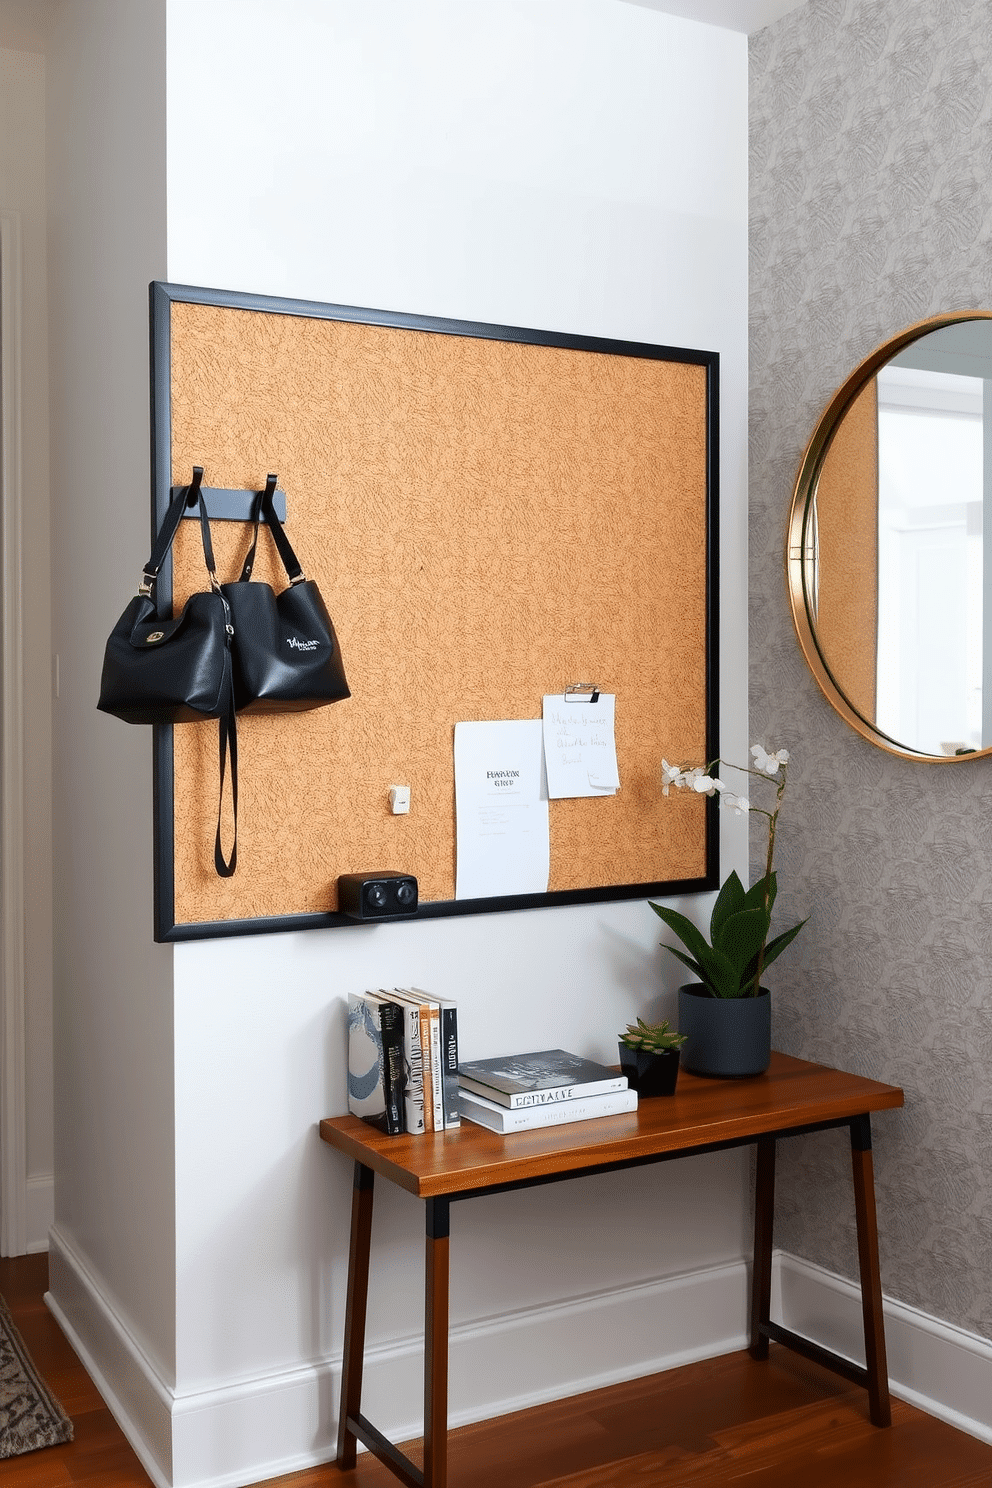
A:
[(179, 670), (286, 654)]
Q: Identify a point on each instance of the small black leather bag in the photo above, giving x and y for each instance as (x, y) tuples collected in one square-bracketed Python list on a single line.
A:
[(179, 670), (286, 654)]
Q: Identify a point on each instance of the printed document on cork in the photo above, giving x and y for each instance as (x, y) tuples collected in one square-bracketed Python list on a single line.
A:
[(502, 836)]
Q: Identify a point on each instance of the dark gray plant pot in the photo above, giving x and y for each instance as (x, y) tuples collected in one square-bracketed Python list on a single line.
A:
[(650, 1074), (727, 1037)]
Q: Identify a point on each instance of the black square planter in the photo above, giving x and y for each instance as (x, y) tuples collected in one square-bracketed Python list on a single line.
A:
[(650, 1074)]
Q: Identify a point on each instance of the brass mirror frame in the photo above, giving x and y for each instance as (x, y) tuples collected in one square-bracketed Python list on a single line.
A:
[(798, 548)]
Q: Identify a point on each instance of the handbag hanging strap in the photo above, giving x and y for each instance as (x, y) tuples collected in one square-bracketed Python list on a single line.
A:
[(264, 504), (190, 495), (227, 726)]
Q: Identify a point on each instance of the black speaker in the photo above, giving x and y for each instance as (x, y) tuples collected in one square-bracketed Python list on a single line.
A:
[(377, 896)]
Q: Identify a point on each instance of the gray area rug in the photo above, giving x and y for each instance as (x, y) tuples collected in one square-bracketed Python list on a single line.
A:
[(30, 1416)]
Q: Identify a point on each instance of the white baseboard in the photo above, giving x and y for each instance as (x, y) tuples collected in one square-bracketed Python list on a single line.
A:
[(511, 1361), (941, 1369), (135, 1393), (282, 1422), (40, 1211), (266, 1426), (261, 1428)]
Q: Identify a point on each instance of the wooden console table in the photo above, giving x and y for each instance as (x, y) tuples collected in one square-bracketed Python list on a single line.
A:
[(703, 1116)]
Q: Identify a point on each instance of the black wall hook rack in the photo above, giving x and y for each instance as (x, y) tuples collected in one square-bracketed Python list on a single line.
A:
[(224, 505)]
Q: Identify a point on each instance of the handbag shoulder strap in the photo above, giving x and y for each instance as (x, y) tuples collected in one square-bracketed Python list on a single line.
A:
[(228, 739), (264, 504), (189, 496)]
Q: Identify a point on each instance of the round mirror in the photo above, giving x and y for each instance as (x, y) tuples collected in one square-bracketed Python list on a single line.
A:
[(891, 598)]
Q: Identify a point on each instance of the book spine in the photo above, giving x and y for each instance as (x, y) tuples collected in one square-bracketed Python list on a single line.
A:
[(413, 1055), (432, 1010), (449, 1064), (525, 1099), (425, 1049), (413, 1060), (437, 1065), (391, 1024), (500, 1119)]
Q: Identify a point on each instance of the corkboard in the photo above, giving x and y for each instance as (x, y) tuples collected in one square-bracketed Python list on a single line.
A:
[(847, 549), (491, 515)]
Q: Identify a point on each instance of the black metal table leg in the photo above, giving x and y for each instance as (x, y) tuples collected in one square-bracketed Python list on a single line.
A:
[(436, 1345), (761, 1275)]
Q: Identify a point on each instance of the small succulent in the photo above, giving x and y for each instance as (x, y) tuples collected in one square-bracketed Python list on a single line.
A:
[(652, 1038)]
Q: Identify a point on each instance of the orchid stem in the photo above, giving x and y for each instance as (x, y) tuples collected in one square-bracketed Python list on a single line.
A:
[(772, 824)]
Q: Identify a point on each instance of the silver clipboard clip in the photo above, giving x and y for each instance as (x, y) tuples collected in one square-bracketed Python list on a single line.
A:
[(582, 692)]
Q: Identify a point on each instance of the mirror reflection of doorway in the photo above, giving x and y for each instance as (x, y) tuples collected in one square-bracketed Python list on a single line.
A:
[(890, 594), (930, 522)]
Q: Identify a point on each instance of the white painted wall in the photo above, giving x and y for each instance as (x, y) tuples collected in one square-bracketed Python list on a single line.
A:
[(114, 1143), (22, 195), (578, 165)]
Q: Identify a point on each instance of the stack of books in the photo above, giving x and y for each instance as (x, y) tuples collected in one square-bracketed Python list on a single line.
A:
[(548, 1088), (403, 1060)]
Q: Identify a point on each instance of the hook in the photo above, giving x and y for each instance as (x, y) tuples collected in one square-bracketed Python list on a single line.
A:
[(193, 489)]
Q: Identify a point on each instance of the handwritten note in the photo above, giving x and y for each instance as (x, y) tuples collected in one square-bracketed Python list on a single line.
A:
[(580, 749), (501, 810)]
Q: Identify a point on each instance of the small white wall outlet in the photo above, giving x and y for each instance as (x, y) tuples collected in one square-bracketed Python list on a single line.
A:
[(399, 799)]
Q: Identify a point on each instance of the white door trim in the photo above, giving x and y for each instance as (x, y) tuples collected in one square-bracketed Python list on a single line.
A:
[(13, 1113)]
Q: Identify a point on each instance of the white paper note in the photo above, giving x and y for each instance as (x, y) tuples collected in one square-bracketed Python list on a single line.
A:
[(501, 810), (580, 746)]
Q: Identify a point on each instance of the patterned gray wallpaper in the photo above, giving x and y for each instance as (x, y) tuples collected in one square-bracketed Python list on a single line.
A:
[(871, 200)]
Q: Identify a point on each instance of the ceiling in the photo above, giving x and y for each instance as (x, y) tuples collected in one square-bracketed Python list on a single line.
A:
[(23, 22)]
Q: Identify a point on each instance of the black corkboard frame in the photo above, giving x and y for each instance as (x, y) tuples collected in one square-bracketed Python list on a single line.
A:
[(170, 927)]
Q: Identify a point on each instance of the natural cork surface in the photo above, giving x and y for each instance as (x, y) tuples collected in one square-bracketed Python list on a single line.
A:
[(487, 522), (847, 519)]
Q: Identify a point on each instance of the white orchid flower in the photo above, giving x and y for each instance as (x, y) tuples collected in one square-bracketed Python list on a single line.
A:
[(740, 804), (714, 962), (769, 763), (670, 775)]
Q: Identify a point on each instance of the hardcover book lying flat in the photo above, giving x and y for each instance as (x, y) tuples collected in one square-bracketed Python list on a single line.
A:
[(544, 1078), (558, 1113)]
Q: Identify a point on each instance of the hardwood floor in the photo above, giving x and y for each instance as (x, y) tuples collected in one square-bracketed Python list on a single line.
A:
[(726, 1421), (99, 1455)]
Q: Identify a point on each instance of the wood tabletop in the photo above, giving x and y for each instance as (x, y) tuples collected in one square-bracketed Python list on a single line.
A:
[(702, 1112)]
